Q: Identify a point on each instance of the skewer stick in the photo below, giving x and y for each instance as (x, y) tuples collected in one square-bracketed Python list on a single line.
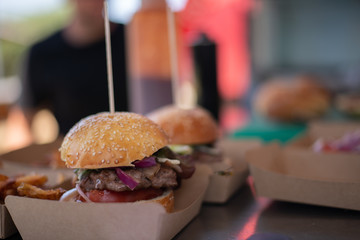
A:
[(109, 58), (173, 56)]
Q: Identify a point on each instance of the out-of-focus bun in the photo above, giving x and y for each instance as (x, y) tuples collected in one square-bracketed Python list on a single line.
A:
[(111, 140), (292, 99), (186, 126)]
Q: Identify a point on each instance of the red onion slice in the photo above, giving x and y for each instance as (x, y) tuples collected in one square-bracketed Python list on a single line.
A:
[(145, 162), (126, 179), (82, 194)]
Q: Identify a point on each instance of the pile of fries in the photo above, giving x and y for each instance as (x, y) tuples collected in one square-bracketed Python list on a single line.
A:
[(28, 186)]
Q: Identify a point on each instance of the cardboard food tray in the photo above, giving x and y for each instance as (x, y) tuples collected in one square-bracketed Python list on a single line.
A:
[(324, 130), (45, 219), (303, 176), (25, 161), (7, 226), (222, 187)]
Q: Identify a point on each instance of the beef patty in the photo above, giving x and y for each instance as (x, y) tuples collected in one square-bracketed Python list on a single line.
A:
[(157, 176)]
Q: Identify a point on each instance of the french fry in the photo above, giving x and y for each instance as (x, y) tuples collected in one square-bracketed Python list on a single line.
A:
[(27, 185), (36, 180), (3, 177), (28, 190), (6, 188), (10, 191), (4, 185)]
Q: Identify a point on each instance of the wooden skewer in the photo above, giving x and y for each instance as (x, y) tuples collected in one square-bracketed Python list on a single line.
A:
[(109, 58), (173, 57)]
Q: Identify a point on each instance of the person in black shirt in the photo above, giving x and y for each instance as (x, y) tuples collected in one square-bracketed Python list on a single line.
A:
[(66, 72)]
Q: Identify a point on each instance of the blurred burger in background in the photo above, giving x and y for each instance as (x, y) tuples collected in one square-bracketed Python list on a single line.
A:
[(298, 98), (121, 157), (192, 132)]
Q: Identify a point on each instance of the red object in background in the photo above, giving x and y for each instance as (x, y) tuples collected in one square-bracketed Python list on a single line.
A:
[(232, 117), (225, 22)]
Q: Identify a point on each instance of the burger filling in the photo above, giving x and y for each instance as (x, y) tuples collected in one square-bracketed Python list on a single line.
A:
[(204, 153), (157, 176), (148, 179)]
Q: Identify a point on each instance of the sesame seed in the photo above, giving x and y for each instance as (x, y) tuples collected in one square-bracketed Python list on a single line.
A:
[(103, 161)]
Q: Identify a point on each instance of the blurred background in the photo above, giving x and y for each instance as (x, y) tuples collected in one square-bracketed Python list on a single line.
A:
[(254, 64)]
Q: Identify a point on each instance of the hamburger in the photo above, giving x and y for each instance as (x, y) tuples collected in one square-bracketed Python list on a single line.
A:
[(292, 99), (192, 132), (121, 157)]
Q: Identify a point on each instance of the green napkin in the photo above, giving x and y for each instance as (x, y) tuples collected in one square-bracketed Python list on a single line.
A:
[(268, 131)]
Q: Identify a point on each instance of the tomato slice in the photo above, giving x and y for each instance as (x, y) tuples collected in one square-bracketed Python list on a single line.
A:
[(126, 196)]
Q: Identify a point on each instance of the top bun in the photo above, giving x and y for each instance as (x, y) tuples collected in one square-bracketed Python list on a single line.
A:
[(186, 126), (111, 140)]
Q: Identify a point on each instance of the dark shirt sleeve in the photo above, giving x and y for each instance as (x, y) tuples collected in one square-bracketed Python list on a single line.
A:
[(33, 93)]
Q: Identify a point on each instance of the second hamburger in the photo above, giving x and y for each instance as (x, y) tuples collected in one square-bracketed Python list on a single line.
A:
[(192, 132)]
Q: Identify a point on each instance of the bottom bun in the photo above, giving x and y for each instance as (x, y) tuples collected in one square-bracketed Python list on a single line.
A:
[(166, 199)]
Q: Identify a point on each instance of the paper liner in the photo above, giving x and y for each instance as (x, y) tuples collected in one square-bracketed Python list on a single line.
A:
[(306, 177), (45, 219)]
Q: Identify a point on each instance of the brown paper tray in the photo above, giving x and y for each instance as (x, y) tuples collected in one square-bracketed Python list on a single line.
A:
[(55, 177), (44, 219), (306, 177), (222, 187)]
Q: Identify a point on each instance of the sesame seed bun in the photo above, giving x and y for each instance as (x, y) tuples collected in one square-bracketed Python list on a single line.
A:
[(111, 140), (186, 126)]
